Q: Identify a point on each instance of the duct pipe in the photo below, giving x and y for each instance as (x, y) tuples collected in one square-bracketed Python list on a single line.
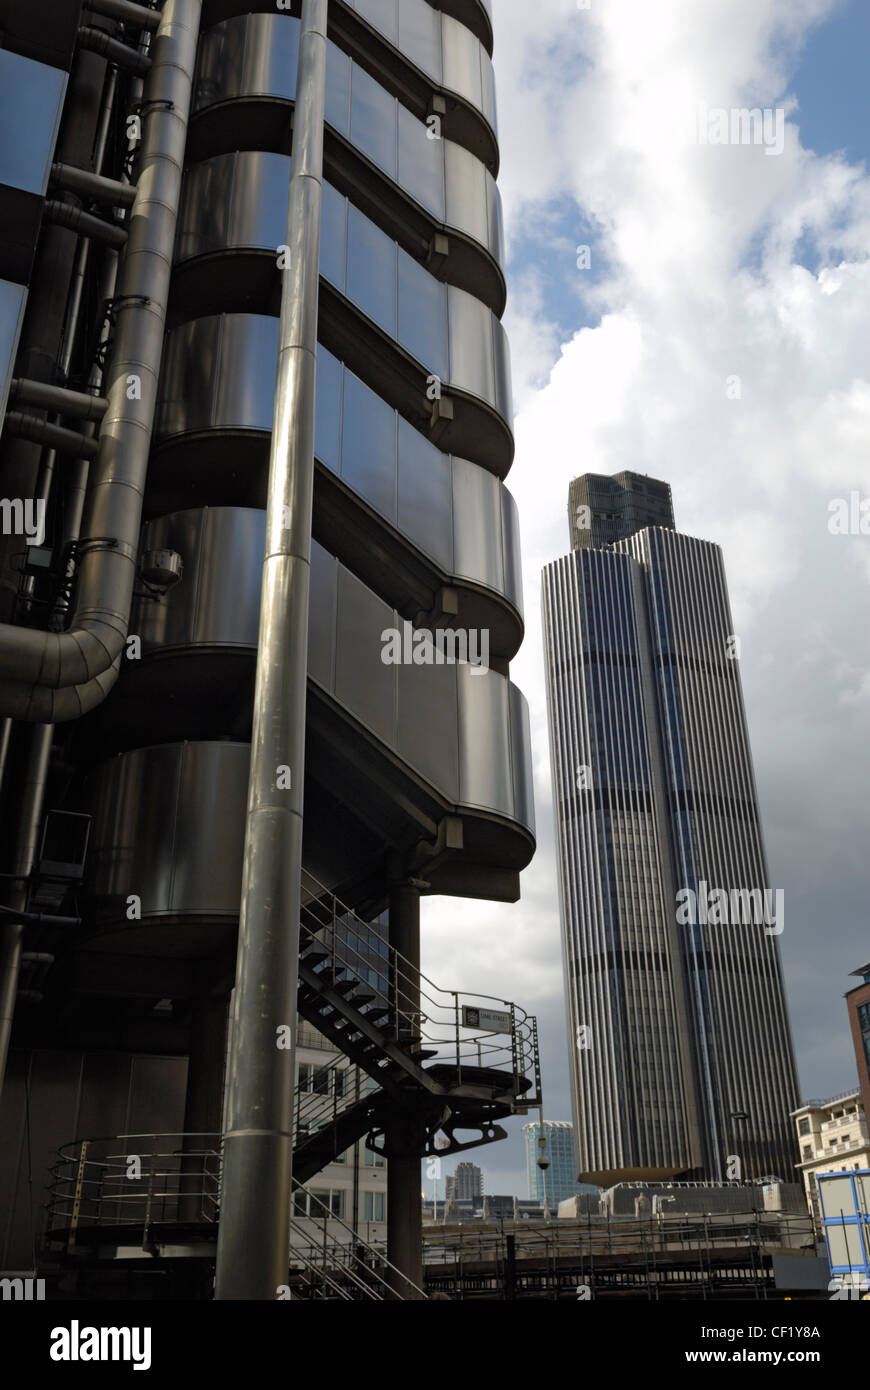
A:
[(49, 677), (95, 186), (33, 427), (74, 307), (98, 41), (58, 398), (11, 932), (68, 215), (127, 11), (253, 1237)]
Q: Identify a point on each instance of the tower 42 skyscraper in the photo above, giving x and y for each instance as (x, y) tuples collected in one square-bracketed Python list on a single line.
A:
[(681, 1050)]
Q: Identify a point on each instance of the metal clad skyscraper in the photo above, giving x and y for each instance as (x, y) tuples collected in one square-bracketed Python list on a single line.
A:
[(162, 304), (681, 1051)]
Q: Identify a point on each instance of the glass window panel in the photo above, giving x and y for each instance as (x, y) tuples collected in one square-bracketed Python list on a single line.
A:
[(371, 270), (30, 99), (425, 495), (322, 621), (421, 164), (373, 120), (381, 15), (423, 315), (337, 88), (327, 427), (333, 244), (363, 683), (373, 1206), (368, 459), (420, 35)]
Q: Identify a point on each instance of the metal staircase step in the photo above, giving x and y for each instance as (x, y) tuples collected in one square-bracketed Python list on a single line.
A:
[(314, 956)]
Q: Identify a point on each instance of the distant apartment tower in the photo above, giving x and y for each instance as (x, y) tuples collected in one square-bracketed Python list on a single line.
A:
[(465, 1183), (604, 509), (858, 1003), (682, 1058), (559, 1181)]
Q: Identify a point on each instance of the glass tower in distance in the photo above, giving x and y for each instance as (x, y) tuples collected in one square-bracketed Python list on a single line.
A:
[(682, 1059), (559, 1181)]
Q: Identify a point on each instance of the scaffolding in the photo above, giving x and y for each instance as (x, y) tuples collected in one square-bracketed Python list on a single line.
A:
[(655, 1257)]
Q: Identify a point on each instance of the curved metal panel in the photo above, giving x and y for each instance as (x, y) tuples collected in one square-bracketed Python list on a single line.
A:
[(458, 727), (233, 357), (252, 57), (217, 604), (438, 44), (164, 830), (485, 741), (450, 509)]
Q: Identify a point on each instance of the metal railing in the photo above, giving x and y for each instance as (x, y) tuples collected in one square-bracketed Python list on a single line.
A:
[(147, 1185), (325, 1245), (467, 1032), (135, 1180)]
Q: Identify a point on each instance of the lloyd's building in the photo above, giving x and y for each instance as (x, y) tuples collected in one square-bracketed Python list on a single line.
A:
[(682, 1057), (256, 408)]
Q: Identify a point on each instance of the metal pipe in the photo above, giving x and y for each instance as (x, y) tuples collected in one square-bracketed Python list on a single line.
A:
[(98, 41), (33, 427), (253, 1237), (50, 677), (58, 398), (404, 1197), (74, 308), (95, 186), (68, 215), (126, 10), (11, 932)]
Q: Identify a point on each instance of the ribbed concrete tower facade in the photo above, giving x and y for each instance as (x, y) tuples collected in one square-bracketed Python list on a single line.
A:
[(131, 634), (681, 1051)]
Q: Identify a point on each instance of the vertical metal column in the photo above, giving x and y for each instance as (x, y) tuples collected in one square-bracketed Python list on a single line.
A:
[(254, 1231), (11, 932), (202, 1108), (404, 1195)]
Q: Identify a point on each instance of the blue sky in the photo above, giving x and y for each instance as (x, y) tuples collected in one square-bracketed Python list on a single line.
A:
[(832, 86), (706, 264)]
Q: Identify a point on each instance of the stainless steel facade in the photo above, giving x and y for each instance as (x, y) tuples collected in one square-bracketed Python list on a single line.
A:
[(413, 772), (681, 1049)]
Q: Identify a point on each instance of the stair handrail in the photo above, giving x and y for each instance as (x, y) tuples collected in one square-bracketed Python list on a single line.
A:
[(437, 1018), (358, 1242)]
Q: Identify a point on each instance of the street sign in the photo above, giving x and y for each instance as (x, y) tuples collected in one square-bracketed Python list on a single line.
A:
[(486, 1020)]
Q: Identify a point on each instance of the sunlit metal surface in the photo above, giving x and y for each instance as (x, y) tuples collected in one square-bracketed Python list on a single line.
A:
[(254, 57)]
